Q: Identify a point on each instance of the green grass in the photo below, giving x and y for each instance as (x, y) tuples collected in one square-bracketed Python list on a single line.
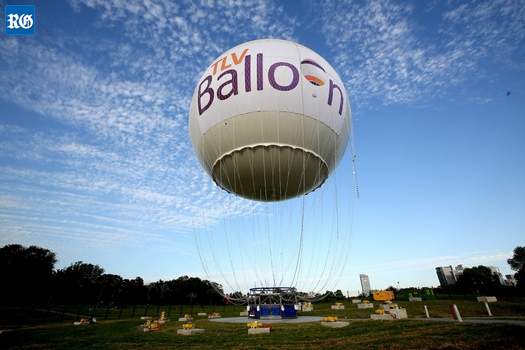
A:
[(15, 316), (54, 333), (437, 308)]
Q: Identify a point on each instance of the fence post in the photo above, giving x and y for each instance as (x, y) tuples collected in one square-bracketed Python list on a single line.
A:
[(93, 312), (456, 313), (426, 311)]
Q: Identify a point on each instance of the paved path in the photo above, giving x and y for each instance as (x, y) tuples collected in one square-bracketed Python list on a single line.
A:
[(475, 320), (300, 319), (304, 319)]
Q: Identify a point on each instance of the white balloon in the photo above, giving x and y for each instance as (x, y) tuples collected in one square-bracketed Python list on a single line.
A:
[(269, 120)]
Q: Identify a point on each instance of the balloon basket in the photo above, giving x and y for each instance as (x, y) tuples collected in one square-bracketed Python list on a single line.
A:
[(272, 303)]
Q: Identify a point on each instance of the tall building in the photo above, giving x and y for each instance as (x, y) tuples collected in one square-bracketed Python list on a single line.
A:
[(365, 285), (458, 271), (446, 275)]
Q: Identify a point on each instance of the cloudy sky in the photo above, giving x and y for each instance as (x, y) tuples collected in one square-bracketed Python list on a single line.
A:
[(96, 163)]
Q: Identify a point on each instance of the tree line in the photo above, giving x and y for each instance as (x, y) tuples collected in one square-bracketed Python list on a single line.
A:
[(29, 277)]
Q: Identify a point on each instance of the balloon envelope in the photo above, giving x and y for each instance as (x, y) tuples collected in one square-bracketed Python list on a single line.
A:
[(269, 120)]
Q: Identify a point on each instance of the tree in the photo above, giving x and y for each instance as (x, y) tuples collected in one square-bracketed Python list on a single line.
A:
[(27, 276), (134, 291), (518, 259), (520, 280), (517, 263), (478, 280), (111, 289), (26, 273), (78, 283)]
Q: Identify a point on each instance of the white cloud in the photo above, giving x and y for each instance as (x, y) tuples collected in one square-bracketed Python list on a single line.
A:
[(120, 155), (11, 202), (385, 53)]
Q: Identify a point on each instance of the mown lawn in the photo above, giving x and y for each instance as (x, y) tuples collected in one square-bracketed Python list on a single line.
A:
[(39, 333), (359, 335), (514, 308)]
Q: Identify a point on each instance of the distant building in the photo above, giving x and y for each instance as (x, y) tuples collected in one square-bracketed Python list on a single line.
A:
[(495, 271), (458, 271), (365, 285), (446, 275)]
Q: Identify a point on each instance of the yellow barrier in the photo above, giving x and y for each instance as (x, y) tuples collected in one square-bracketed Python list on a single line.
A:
[(330, 319), (254, 324), (152, 325)]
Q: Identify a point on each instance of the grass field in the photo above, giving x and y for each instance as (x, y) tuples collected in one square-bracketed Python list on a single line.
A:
[(43, 330)]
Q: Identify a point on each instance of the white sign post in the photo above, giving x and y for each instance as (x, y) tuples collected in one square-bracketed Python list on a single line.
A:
[(486, 300), (488, 309)]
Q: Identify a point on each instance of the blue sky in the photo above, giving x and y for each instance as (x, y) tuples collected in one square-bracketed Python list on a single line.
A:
[(96, 163)]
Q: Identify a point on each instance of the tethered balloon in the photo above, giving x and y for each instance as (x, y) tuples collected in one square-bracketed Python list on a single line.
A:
[(270, 120)]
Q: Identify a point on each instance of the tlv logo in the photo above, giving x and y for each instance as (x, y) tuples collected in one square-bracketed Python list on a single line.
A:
[(20, 19)]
